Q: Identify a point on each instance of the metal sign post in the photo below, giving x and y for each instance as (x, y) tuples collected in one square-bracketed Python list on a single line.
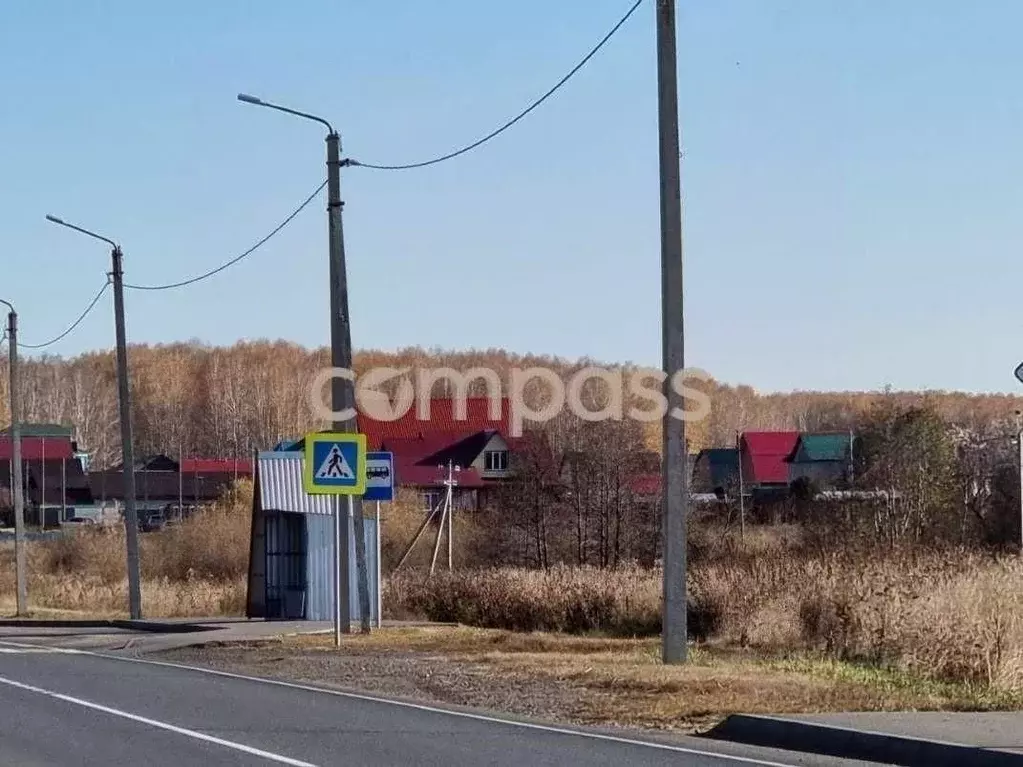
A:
[(335, 464), (340, 604), (379, 487), (380, 589)]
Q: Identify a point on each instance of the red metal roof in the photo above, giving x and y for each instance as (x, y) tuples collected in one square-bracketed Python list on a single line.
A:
[(408, 453), (408, 474), (421, 447), (216, 466), (37, 448), (441, 420), (764, 454)]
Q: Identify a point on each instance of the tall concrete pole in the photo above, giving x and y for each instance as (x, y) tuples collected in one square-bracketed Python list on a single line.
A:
[(342, 392), (127, 449), (1018, 372), (17, 482), (1019, 447), (127, 453), (675, 483)]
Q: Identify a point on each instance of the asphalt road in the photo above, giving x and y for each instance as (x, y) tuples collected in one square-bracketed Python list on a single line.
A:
[(72, 708)]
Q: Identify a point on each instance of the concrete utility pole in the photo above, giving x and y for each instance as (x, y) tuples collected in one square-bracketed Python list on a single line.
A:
[(342, 390), (1019, 447), (17, 483), (131, 526), (675, 474), (742, 490)]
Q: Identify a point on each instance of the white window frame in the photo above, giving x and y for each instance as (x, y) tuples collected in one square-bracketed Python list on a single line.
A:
[(490, 460)]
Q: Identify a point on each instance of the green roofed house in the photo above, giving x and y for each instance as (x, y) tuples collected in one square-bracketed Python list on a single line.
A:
[(824, 459)]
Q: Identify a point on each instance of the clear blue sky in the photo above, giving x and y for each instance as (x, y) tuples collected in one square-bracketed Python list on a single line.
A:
[(853, 179)]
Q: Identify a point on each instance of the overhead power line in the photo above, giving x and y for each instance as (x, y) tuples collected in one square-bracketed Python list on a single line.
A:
[(238, 258), (74, 325), (221, 268), (519, 116)]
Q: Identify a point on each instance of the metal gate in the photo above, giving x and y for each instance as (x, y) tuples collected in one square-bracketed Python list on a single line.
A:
[(285, 565)]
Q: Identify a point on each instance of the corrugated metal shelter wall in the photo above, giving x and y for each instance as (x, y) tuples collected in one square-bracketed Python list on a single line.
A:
[(320, 568), (281, 488), (282, 502)]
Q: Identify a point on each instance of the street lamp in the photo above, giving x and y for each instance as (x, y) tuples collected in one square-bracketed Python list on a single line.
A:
[(342, 390), (17, 486), (127, 452)]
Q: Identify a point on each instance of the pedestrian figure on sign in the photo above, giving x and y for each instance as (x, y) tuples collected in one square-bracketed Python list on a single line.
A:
[(334, 467)]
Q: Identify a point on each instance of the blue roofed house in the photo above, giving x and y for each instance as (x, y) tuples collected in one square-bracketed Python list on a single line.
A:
[(823, 459), (716, 470)]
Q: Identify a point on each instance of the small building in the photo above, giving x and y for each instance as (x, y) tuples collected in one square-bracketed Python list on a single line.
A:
[(161, 481), (291, 555), (477, 441), (45, 439), (716, 471), (765, 472), (823, 459), (52, 473)]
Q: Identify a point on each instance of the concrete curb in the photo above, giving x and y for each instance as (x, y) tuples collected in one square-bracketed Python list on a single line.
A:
[(125, 625), (864, 745)]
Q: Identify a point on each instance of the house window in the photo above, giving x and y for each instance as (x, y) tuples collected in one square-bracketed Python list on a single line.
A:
[(495, 460), (431, 498)]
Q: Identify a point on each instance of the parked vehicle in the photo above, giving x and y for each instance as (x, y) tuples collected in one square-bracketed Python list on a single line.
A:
[(152, 522)]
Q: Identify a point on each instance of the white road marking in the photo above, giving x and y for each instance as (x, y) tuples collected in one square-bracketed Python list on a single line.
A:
[(23, 649), (159, 725), (449, 712)]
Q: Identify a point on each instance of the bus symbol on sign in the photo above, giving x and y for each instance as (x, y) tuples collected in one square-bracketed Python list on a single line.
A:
[(379, 477)]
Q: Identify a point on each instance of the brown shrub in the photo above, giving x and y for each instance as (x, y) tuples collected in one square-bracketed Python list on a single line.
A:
[(212, 545), (97, 551), (576, 600), (950, 614)]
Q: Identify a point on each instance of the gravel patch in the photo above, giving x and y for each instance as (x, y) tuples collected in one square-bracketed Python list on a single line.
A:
[(420, 676)]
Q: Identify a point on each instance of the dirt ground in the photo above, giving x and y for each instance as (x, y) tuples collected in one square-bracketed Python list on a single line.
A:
[(609, 682)]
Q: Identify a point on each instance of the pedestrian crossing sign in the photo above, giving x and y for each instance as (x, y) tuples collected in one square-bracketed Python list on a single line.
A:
[(335, 464)]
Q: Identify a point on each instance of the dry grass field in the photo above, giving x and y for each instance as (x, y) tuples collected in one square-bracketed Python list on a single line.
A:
[(952, 616)]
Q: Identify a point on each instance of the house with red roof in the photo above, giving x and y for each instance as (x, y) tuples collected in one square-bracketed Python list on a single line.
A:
[(469, 436), (764, 458), (52, 473)]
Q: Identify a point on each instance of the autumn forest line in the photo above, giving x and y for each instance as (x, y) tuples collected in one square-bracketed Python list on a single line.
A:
[(227, 401)]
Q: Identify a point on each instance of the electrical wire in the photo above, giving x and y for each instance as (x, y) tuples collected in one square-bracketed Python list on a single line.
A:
[(510, 123), (221, 268), (236, 259), (74, 325)]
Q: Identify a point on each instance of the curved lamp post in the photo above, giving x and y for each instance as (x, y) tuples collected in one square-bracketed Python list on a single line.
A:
[(342, 390), (127, 452)]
